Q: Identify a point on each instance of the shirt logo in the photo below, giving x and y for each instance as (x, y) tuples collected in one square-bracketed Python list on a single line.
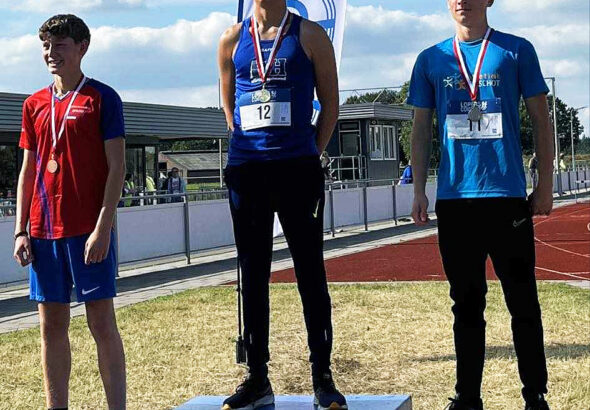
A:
[(457, 82), (516, 224), (85, 292), (278, 72)]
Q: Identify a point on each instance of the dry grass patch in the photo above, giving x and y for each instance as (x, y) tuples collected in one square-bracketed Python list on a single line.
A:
[(389, 339)]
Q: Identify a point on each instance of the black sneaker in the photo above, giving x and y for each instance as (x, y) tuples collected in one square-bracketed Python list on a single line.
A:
[(253, 393), (326, 396), (536, 403), (462, 403)]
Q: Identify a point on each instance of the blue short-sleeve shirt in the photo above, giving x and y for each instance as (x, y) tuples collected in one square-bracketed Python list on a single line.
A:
[(477, 167)]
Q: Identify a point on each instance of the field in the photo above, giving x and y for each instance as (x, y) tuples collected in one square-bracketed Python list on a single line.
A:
[(389, 338)]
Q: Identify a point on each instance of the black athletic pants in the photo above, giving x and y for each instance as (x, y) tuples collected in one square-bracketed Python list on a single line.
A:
[(295, 189), (469, 231)]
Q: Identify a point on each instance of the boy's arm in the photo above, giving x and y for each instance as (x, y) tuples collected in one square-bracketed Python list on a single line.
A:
[(421, 147), (97, 245), (542, 196), (24, 195)]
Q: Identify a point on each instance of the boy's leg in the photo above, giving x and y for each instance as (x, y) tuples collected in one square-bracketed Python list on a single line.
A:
[(301, 212), (463, 250), (96, 287), (50, 285), (111, 356), (252, 215), (55, 352), (513, 256)]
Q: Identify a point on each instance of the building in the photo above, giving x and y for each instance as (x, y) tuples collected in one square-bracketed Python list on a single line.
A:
[(365, 144), (198, 167), (145, 125)]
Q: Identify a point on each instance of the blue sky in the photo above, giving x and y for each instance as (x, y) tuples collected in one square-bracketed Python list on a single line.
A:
[(163, 51)]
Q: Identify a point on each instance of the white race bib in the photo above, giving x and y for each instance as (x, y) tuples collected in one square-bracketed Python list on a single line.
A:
[(460, 127), (254, 113)]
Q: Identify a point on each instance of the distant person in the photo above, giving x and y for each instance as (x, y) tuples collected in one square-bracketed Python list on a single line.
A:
[(176, 185), (562, 166), (407, 177), (68, 189), (533, 164), (150, 188), (325, 161), (128, 189), (482, 208)]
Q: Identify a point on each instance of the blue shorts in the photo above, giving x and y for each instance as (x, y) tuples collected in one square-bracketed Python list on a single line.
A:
[(59, 265)]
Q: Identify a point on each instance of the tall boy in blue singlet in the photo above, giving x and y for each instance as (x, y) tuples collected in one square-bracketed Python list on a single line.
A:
[(270, 65), (475, 81)]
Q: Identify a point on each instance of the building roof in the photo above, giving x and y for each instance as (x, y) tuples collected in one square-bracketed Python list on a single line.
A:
[(377, 110), (149, 120), (194, 160)]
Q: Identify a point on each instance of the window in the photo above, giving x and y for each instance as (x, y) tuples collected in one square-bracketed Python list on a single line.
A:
[(376, 142), (389, 142), (382, 142)]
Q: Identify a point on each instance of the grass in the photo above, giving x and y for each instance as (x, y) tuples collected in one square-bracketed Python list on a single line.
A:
[(389, 339)]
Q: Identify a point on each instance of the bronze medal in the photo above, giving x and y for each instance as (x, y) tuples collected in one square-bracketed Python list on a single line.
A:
[(52, 166)]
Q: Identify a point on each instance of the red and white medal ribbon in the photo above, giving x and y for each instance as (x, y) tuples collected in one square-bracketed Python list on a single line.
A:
[(55, 136), (263, 70), (473, 85)]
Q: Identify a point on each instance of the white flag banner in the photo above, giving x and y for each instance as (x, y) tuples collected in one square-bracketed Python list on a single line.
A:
[(330, 14)]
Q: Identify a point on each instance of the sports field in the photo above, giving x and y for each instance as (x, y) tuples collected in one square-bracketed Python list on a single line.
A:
[(390, 338), (562, 242)]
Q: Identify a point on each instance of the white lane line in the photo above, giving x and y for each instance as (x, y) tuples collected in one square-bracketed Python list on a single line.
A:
[(555, 247), (571, 275)]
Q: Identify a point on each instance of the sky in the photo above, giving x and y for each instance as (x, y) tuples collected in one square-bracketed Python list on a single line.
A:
[(163, 51)]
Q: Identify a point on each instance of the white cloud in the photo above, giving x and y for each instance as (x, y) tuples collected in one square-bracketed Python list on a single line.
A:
[(176, 64), (179, 55)]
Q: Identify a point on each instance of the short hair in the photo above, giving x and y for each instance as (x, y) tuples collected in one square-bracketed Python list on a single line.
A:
[(65, 25)]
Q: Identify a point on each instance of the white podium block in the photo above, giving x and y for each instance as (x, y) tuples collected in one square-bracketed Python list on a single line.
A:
[(361, 402)]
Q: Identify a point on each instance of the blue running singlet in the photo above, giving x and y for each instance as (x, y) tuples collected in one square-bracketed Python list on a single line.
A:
[(281, 127)]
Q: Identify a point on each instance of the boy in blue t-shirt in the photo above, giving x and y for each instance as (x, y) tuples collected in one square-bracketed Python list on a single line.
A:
[(475, 81)]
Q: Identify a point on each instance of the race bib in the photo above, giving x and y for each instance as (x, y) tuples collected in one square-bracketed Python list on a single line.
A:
[(459, 126), (256, 113)]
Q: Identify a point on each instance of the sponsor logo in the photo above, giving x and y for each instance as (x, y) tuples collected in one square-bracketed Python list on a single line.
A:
[(86, 292), (516, 224)]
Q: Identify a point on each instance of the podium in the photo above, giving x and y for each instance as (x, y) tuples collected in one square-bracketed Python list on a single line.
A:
[(360, 402)]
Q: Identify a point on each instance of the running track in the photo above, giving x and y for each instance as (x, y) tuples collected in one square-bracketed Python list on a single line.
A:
[(562, 242)]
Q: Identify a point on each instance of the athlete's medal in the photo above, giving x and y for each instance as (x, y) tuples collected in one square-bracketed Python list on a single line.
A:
[(264, 95), (475, 114), (52, 164)]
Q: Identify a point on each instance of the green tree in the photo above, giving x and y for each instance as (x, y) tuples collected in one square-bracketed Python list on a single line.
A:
[(563, 126), (193, 145)]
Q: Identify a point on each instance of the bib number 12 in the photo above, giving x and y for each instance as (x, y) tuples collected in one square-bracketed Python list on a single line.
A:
[(264, 112)]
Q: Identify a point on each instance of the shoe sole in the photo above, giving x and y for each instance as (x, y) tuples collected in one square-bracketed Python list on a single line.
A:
[(263, 401), (332, 406)]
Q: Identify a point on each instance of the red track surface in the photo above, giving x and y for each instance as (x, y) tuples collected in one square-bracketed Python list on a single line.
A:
[(562, 243)]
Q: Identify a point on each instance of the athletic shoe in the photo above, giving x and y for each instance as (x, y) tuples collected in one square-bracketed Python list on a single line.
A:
[(253, 393), (462, 403), (326, 396), (536, 403)]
